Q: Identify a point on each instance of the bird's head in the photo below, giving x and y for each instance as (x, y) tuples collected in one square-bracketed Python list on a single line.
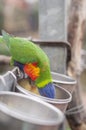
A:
[(46, 87), (48, 90)]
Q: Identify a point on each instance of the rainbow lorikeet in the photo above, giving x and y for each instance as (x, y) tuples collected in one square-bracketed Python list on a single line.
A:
[(31, 59)]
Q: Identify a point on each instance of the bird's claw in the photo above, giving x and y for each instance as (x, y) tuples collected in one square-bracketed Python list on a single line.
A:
[(18, 73)]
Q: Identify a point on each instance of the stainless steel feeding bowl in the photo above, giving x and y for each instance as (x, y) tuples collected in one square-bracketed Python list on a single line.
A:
[(64, 81), (21, 112), (63, 97)]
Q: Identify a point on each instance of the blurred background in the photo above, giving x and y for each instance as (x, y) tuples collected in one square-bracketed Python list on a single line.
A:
[(19, 17)]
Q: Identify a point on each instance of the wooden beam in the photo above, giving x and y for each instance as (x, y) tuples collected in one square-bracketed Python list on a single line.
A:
[(4, 59), (76, 26)]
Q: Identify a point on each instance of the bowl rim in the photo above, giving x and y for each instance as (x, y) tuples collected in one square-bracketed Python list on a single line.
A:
[(71, 80), (49, 100), (15, 114)]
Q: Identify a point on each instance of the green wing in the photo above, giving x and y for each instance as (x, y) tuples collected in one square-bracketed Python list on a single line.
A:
[(25, 51)]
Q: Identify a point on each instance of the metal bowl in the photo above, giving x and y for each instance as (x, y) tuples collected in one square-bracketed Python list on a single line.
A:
[(63, 97), (21, 112), (64, 81)]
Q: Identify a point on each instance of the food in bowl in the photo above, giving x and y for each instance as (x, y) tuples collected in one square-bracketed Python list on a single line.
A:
[(25, 83)]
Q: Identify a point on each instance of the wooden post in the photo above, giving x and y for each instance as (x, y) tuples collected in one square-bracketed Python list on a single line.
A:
[(76, 26)]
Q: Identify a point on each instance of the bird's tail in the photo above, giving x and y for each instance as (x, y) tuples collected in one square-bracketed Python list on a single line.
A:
[(6, 38), (3, 46), (1, 39)]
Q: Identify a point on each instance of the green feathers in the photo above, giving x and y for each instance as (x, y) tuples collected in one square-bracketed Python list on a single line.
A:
[(25, 51), (6, 37)]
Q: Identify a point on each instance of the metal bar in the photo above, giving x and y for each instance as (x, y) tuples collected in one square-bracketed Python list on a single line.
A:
[(52, 20)]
